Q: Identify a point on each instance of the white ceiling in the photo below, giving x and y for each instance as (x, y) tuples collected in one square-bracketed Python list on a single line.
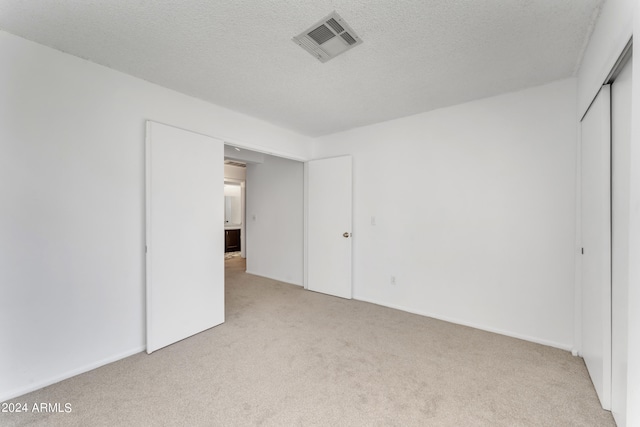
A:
[(417, 55)]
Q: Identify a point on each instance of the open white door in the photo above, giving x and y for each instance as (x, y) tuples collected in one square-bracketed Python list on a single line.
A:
[(596, 243), (328, 227), (185, 234)]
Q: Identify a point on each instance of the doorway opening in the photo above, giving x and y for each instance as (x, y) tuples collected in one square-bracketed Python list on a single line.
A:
[(265, 199)]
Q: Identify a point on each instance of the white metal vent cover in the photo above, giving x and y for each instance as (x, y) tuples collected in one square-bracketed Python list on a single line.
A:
[(328, 37)]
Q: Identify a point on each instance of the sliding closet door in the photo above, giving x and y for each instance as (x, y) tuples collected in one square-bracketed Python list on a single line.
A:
[(596, 243), (185, 234), (620, 164)]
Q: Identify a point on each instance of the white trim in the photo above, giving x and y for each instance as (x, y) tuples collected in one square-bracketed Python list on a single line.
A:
[(554, 344), (147, 226), (86, 368), (305, 226), (242, 144), (273, 278), (261, 149), (620, 44), (577, 286)]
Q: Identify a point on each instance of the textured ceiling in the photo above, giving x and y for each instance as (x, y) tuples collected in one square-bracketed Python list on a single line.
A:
[(417, 55)]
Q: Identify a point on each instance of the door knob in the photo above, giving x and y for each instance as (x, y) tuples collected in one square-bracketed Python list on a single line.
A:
[(345, 234)]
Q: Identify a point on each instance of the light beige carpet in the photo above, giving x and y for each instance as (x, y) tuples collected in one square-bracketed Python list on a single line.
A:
[(287, 357)]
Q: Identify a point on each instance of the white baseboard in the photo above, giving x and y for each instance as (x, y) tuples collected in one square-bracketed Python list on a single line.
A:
[(277, 279), (57, 378), (41, 384), (566, 347)]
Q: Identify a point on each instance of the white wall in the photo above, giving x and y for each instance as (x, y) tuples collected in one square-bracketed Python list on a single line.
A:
[(72, 219), (274, 219), (474, 206)]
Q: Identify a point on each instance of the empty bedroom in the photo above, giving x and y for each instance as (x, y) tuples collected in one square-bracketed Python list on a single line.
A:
[(436, 221)]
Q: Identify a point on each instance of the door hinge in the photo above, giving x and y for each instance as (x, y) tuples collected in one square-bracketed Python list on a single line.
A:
[(582, 250)]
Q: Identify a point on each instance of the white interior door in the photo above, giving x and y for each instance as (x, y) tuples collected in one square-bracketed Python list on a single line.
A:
[(596, 243), (185, 234), (329, 195), (620, 186)]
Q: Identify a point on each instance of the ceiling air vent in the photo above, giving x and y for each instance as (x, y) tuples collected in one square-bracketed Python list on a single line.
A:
[(328, 38)]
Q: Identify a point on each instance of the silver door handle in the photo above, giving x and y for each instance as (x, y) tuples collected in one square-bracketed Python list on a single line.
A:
[(346, 235)]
